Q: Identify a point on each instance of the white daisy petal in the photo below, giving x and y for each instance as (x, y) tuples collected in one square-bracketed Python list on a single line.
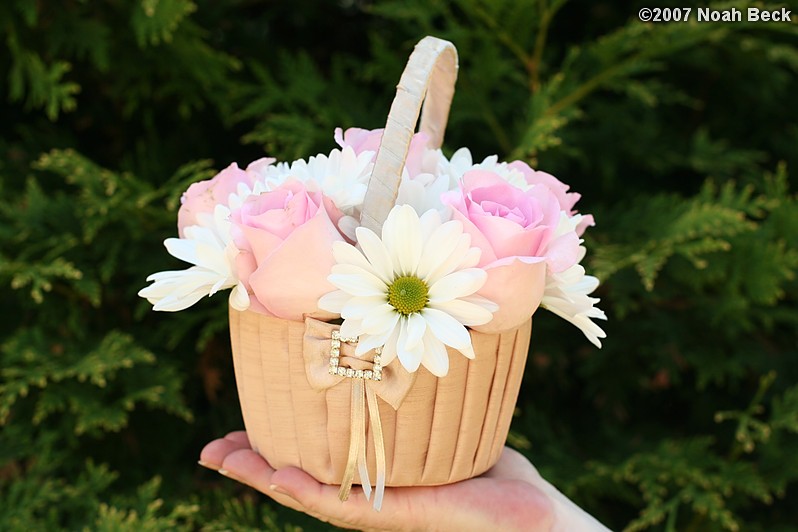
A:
[(358, 285), (435, 357), (351, 269), (176, 303), (447, 329), (208, 246), (591, 331), (416, 327), (334, 301), (239, 298), (183, 249), (468, 351), (401, 234), (566, 295), (351, 328), (465, 312), (481, 301), (429, 222), (348, 254), (382, 318), (453, 262), (409, 358), (470, 258), (389, 349), (413, 357), (375, 252), (442, 243), (457, 284), (372, 341), (216, 286), (359, 307)]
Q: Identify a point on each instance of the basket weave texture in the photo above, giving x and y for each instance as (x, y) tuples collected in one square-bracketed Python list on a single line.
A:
[(446, 430), (434, 430)]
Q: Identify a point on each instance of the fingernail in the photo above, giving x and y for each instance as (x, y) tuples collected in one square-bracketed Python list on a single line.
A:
[(208, 465), (279, 489), (223, 472)]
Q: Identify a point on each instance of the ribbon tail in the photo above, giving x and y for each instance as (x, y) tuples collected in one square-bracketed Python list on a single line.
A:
[(379, 445), (362, 468), (357, 427)]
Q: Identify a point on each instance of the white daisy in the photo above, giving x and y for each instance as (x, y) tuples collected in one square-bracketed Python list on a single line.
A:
[(412, 292), (209, 247), (566, 295), (423, 192), (243, 191), (462, 162), (342, 176)]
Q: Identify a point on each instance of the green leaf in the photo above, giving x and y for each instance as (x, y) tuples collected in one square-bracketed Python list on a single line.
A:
[(156, 21)]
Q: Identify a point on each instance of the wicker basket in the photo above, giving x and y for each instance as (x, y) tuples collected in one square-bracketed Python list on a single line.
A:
[(434, 430)]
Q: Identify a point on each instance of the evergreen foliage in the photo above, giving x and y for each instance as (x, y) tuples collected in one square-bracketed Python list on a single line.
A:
[(680, 136)]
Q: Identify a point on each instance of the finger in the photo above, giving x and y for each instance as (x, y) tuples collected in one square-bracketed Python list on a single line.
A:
[(233, 457), (239, 436), (313, 494), (250, 468), (357, 512), (214, 453), (247, 466)]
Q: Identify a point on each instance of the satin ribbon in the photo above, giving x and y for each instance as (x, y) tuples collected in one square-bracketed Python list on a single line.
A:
[(394, 386), (362, 391)]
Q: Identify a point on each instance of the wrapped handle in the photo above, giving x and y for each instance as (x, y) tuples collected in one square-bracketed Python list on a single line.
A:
[(428, 78)]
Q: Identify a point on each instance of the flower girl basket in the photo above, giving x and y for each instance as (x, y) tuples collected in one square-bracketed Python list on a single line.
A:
[(308, 402)]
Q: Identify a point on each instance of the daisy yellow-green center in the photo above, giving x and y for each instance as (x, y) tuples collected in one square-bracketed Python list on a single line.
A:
[(408, 294)]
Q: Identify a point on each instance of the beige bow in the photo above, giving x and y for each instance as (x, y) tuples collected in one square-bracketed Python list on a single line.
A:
[(327, 359)]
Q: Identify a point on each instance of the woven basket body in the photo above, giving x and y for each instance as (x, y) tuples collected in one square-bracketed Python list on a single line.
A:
[(446, 429)]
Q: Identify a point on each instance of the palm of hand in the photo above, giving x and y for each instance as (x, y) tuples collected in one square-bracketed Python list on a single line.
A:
[(504, 498)]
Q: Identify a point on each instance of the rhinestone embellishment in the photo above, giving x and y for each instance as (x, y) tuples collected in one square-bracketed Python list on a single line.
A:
[(373, 374)]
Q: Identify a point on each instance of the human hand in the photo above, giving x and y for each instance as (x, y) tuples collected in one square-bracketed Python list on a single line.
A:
[(511, 496)]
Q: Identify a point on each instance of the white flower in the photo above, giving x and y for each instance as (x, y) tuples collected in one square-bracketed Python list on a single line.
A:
[(413, 292), (275, 174), (342, 176), (423, 192), (462, 162), (566, 295), (209, 247), (243, 191)]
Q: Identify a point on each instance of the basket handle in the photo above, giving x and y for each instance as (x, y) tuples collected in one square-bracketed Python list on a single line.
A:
[(429, 77)]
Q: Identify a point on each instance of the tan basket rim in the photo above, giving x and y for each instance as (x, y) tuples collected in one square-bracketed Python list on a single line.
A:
[(428, 78)]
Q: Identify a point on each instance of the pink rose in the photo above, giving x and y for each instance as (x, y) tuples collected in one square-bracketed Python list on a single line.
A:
[(362, 140), (516, 231), (566, 199), (285, 241), (202, 197)]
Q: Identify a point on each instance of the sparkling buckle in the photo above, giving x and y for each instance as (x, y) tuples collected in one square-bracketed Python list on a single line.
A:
[(374, 374)]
